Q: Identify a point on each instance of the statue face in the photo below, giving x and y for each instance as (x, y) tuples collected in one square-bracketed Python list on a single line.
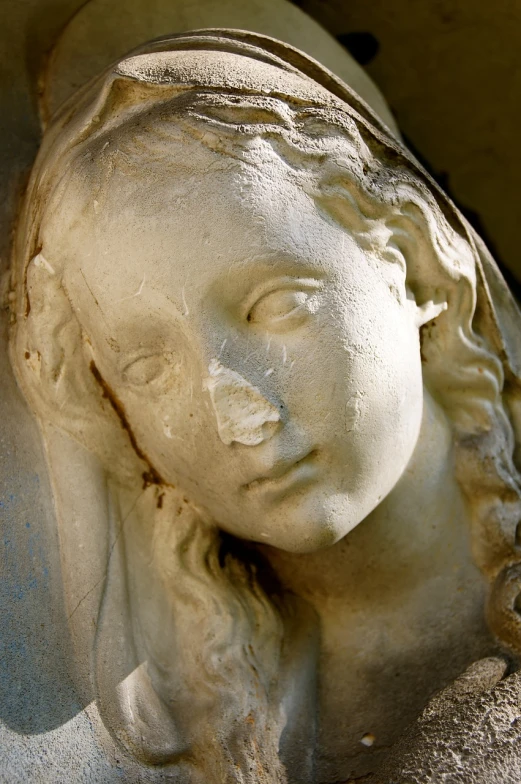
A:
[(267, 364)]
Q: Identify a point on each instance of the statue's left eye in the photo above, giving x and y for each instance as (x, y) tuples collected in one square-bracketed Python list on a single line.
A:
[(282, 309), (144, 370)]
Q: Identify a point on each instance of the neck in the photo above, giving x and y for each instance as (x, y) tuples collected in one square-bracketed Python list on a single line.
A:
[(400, 603)]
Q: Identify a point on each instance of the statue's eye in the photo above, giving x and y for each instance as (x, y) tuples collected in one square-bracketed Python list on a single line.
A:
[(144, 370), (283, 309)]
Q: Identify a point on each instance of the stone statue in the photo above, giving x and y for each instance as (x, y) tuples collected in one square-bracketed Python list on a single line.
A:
[(277, 376)]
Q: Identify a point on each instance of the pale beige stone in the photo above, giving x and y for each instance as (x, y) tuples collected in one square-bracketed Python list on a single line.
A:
[(268, 360), (104, 30)]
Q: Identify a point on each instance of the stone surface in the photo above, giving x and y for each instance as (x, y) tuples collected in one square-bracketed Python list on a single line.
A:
[(39, 701), (104, 30), (272, 548), (470, 732)]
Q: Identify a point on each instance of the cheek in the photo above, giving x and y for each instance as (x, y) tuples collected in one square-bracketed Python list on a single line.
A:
[(390, 392), (386, 415), (357, 386), (381, 348), (359, 347), (169, 419)]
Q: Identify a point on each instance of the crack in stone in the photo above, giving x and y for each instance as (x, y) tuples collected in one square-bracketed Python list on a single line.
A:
[(150, 477)]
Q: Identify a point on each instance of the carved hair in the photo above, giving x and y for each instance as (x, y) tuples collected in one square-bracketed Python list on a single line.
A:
[(358, 183)]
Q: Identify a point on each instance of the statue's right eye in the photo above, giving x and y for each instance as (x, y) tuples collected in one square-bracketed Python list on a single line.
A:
[(144, 370)]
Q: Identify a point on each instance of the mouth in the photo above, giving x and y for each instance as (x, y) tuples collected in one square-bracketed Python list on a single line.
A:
[(286, 477)]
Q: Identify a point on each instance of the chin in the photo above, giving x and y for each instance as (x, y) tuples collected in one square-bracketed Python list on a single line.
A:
[(312, 542), (310, 529)]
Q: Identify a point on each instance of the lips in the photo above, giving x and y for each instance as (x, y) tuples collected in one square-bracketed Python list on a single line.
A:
[(286, 475)]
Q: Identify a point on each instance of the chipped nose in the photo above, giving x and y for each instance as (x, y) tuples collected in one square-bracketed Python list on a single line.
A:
[(242, 412)]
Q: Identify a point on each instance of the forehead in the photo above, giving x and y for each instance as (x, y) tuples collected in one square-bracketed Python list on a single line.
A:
[(195, 219)]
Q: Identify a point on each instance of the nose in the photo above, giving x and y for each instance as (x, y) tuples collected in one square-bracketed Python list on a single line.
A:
[(242, 412)]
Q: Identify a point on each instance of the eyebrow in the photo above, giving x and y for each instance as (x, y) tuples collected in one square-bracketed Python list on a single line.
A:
[(257, 272)]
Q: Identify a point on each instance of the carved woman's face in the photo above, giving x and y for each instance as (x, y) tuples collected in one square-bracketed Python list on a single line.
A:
[(267, 364)]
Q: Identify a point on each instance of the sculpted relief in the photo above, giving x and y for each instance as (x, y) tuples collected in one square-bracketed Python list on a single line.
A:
[(277, 376)]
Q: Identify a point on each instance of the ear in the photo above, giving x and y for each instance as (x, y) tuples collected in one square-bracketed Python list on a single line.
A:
[(428, 311), (52, 357), (50, 348)]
